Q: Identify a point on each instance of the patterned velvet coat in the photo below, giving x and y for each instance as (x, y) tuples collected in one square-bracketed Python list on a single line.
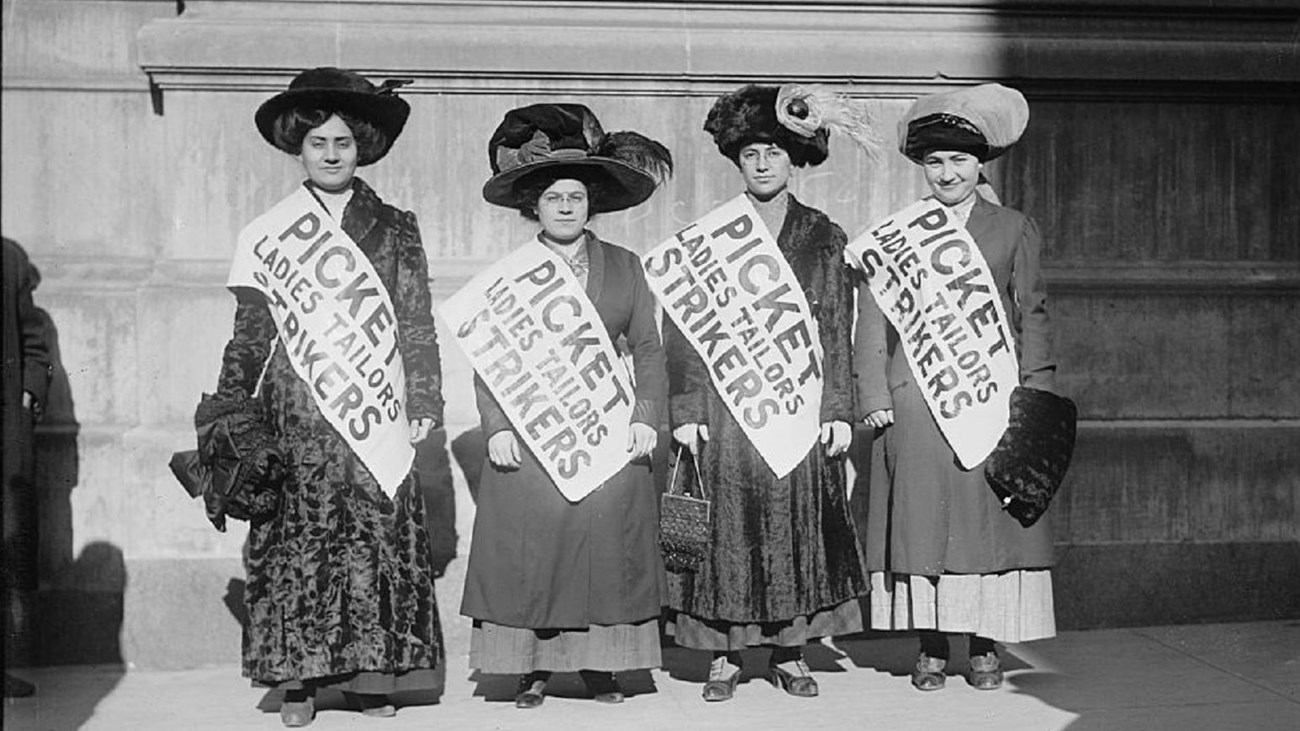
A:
[(782, 548), (339, 581)]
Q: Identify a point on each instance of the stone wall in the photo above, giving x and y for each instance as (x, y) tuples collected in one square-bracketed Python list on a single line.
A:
[(1156, 161)]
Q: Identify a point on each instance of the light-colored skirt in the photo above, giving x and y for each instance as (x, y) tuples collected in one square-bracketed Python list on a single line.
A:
[(495, 648), (1009, 606)]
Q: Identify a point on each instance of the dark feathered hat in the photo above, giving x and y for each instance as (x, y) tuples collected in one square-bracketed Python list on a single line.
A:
[(339, 90), (567, 140), (984, 120), (749, 115)]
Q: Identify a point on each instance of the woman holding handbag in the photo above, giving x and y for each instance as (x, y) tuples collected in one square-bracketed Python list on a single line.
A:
[(944, 556), (552, 585), (783, 566), (339, 591)]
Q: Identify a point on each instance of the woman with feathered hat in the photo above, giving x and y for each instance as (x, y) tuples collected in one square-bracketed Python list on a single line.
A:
[(945, 558), (554, 586), (783, 567), (339, 590)]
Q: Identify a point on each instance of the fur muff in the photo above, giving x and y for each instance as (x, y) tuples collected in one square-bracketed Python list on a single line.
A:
[(1029, 463), (748, 115)]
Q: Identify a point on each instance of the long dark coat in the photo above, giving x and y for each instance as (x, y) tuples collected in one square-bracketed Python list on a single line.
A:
[(339, 580), (25, 366), (782, 548), (927, 516), (538, 561)]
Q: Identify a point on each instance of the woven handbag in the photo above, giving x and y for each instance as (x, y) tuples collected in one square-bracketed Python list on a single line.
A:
[(684, 521)]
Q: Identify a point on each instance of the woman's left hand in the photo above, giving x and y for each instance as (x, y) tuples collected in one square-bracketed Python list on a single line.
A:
[(836, 435), (420, 429), (641, 440)]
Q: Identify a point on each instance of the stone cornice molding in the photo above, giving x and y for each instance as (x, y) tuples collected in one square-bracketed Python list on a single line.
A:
[(698, 48)]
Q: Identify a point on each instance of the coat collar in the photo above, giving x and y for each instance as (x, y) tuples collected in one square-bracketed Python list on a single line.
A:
[(981, 218), (362, 211), (596, 266)]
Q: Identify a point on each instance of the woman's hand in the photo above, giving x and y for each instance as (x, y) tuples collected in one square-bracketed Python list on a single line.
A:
[(880, 418), (692, 436), (836, 435), (503, 450), (641, 440), (420, 429)]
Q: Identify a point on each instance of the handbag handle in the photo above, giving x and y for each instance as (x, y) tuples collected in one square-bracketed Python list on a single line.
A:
[(672, 482)]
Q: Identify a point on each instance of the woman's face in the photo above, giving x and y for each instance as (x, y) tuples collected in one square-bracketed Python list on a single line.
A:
[(562, 210), (329, 155), (951, 175), (765, 168)]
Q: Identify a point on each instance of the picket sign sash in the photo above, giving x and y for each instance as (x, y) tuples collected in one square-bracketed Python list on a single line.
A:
[(726, 285), (336, 321), (930, 279), (537, 342)]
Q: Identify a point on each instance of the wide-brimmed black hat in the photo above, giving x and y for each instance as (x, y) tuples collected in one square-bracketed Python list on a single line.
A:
[(561, 140), (984, 120), (344, 91)]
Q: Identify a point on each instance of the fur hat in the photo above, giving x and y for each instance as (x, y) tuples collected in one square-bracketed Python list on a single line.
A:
[(749, 115), (344, 91), (567, 140), (984, 120)]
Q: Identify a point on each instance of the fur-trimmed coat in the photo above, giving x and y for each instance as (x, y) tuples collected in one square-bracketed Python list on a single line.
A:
[(782, 548), (339, 579)]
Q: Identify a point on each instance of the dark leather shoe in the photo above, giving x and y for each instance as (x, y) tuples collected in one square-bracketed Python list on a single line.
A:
[(532, 692), (718, 688), (928, 674), (602, 685), (298, 709), (798, 683), (985, 672)]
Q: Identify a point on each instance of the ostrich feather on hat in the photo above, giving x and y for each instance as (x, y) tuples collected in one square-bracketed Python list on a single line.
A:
[(555, 139), (806, 109)]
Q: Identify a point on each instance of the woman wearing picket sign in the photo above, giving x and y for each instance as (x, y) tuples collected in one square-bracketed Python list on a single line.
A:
[(554, 585), (944, 557), (339, 333), (783, 566)]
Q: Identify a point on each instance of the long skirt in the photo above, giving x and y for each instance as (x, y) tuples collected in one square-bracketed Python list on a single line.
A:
[(942, 552)]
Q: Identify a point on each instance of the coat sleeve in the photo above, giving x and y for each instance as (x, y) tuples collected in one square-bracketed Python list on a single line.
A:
[(491, 418), (688, 379), (1037, 367), (417, 333), (835, 322), (647, 353), (870, 355), (249, 346)]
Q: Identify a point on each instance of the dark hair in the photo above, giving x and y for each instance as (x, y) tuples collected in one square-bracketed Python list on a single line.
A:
[(529, 188), (292, 126)]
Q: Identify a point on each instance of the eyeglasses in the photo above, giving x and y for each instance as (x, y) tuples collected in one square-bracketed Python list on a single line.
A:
[(555, 199)]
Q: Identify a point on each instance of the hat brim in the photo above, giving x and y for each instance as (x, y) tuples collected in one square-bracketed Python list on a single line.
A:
[(388, 112), (623, 186)]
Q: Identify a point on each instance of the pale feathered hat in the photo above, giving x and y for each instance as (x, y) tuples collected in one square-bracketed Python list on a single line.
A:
[(984, 120)]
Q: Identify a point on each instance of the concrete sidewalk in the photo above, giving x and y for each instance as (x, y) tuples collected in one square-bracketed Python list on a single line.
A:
[(1185, 678)]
